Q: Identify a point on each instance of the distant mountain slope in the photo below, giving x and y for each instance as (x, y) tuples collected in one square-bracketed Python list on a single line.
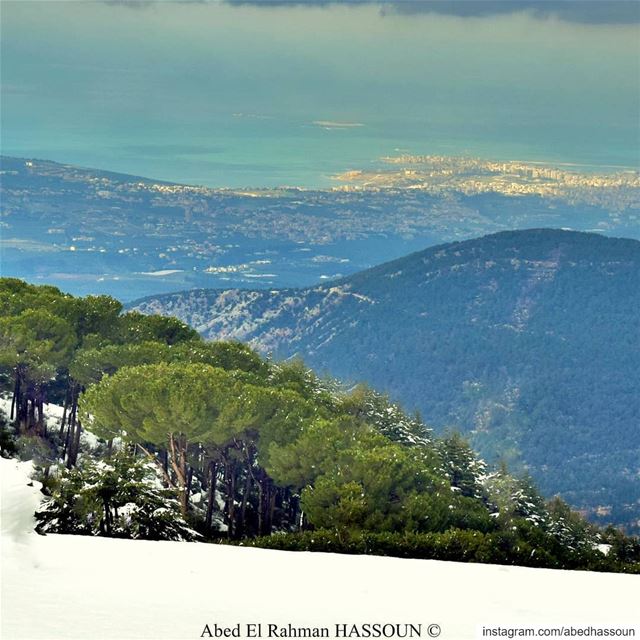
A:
[(527, 340)]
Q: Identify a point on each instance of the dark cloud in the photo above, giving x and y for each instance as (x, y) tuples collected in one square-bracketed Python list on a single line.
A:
[(143, 4), (131, 4), (580, 11), (585, 11)]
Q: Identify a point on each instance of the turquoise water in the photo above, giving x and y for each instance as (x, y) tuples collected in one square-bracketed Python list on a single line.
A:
[(232, 96)]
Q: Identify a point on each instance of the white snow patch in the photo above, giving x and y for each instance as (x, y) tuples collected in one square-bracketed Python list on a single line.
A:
[(89, 440), (52, 412), (62, 587), (160, 273), (19, 501), (5, 405)]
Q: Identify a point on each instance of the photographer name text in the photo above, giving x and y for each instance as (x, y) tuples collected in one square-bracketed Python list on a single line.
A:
[(338, 630)]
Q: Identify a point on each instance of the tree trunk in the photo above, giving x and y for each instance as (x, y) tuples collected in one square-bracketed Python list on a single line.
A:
[(211, 499), (31, 411), (74, 447), (260, 503), (178, 447), (231, 498), (16, 394), (71, 431), (40, 424), (272, 506), (107, 517), (189, 480), (165, 465), (67, 442), (183, 468), (264, 503), (294, 505), (71, 436), (63, 422), (23, 412), (243, 508)]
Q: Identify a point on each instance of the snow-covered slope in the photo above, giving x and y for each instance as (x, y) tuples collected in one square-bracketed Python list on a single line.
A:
[(57, 587)]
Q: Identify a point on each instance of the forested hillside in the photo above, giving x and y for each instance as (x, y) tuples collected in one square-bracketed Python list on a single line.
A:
[(528, 341), (164, 436)]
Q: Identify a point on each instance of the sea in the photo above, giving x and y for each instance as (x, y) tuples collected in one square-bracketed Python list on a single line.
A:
[(264, 94)]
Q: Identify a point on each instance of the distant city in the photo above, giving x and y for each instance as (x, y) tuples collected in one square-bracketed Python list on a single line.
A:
[(618, 191)]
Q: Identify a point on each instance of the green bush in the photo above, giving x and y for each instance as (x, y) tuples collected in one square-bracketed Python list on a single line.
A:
[(457, 545), (8, 445), (118, 498)]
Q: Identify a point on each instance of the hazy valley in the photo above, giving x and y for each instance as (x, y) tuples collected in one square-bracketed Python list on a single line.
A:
[(101, 232)]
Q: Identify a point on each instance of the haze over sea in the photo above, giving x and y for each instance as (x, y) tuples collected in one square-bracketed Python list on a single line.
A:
[(244, 95)]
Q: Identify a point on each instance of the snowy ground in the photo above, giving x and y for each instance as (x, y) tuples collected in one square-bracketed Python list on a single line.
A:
[(52, 412), (57, 587)]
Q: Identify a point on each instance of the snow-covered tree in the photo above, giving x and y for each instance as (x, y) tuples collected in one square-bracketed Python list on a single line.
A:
[(120, 497)]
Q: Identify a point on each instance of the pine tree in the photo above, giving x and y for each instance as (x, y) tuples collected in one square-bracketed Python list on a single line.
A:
[(119, 497), (34, 345)]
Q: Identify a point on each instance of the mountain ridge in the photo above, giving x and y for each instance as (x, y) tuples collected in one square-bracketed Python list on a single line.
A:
[(525, 340)]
